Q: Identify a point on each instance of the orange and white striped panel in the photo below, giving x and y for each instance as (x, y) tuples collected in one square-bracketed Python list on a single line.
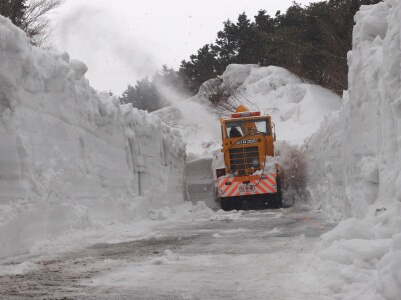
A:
[(266, 185)]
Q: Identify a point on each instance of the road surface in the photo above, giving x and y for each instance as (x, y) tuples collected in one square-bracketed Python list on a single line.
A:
[(231, 255)]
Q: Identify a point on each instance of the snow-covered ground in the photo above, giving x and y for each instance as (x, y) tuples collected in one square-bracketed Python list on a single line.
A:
[(71, 157), (189, 252)]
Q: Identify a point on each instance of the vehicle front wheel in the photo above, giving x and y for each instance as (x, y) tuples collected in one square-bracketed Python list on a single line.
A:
[(225, 205), (279, 194)]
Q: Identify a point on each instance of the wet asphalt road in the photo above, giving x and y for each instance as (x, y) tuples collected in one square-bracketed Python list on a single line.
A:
[(247, 255)]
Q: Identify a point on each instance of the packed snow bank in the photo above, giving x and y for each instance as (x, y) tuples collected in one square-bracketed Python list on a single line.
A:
[(71, 157), (361, 258), (297, 108), (355, 165), (355, 156)]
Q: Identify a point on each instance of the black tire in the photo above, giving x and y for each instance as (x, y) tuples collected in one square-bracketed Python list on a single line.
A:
[(231, 203), (244, 205), (225, 205), (279, 194)]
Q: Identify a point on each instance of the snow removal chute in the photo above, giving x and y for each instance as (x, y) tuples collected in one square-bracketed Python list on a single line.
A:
[(250, 178)]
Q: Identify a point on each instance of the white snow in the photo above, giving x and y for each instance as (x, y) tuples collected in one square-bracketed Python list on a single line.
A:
[(264, 267), (222, 215), (199, 127), (17, 269), (360, 258), (275, 230), (75, 166), (71, 157), (354, 163), (297, 108), (355, 156), (118, 232), (185, 211)]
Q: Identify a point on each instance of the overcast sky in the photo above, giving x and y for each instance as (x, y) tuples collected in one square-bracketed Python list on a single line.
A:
[(122, 41)]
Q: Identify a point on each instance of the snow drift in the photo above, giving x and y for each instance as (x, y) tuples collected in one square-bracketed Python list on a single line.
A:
[(355, 164), (71, 157), (296, 107)]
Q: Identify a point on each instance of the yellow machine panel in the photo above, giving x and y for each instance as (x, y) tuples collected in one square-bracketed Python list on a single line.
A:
[(247, 143)]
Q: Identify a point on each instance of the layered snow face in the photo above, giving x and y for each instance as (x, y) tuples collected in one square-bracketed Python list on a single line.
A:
[(355, 156), (355, 165), (71, 157)]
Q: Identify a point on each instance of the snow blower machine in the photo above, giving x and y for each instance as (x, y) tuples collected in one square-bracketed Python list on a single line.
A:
[(248, 175)]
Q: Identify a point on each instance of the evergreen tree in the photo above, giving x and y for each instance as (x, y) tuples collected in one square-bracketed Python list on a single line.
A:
[(247, 41), (200, 68), (14, 10), (310, 41), (150, 94), (238, 43), (226, 45), (143, 96), (264, 23)]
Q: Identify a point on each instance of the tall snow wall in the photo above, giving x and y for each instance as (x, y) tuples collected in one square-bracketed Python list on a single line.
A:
[(355, 166), (355, 157), (71, 157)]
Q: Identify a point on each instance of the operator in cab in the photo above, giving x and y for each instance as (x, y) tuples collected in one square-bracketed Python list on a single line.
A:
[(234, 132)]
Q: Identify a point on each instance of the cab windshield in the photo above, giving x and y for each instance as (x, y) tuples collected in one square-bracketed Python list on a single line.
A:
[(247, 127)]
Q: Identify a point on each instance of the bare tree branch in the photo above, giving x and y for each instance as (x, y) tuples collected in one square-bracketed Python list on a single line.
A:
[(36, 24)]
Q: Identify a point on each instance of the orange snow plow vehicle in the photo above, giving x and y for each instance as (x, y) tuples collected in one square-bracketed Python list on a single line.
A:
[(250, 178)]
